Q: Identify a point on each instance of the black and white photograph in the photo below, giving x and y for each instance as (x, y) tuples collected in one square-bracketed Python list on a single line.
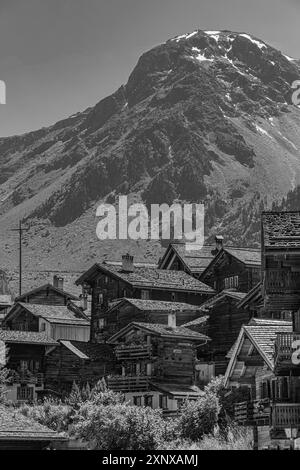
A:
[(149, 229)]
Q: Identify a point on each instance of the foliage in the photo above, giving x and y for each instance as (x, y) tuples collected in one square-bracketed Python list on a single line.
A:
[(120, 426), (4, 379), (51, 413), (199, 417), (99, 395)]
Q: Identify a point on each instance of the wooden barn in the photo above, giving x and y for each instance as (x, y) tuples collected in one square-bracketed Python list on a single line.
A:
[(222, 323), (24, 352), (110, 282), (281, 263), (48, 294), (157, 363), (80, 362), (125, 311), (233, 268), (58, 322)]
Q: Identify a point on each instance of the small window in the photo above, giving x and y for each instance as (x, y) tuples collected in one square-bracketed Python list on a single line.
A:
[(148, 400), (137, 401), (106, 279), (173, 296), (100, 299), (163, 402), (43, 327), (24, 365), (25, 393), (145, 295), (101, 323)]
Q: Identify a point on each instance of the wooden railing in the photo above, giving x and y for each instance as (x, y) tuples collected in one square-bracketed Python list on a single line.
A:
[(252, 412), (283, 348), (32, 379), (123, 383), (286, 415), (133, 351)]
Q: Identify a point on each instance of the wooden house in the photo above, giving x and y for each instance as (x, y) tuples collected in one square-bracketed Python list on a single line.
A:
[(110, 282), (5, 305), (223, 321), (18, 432), (261, 361), (24, 352), (80, 362), (58, 322), (124, 311), (48, 294), (157, 364), (193, 262), (281, 263), (238, 268)]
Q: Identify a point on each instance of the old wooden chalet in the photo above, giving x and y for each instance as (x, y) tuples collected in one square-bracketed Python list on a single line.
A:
[(18, 432), (222, 323), (281, 263), (238, 268), (24, 352), (58, 322), (48, 294), (193, 262), (157, 364), (262, 360), (124, 311), (80, 362), (110, 282)]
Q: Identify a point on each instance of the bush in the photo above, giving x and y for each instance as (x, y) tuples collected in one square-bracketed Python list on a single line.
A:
[(120, 427), (199, 417), (4, 379), (53, 414)]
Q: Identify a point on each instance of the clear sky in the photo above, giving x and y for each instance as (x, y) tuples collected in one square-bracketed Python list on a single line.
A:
[(59, 57)]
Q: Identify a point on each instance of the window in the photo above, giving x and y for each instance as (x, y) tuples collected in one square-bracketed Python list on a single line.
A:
[(101, 323), (24, 365), (173, 296), (100, 299), (148, 400), (231, 282), (145, 295), (25, 393), (106, 279), (43, 326), (137, 401), (163, 402)]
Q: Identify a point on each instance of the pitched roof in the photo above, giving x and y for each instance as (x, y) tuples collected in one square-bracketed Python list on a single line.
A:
[(157, 305), (54, 314), (236, 295), (253, 297), (43, 287), (162, 330), (14, 426), (28, 337), (201, 321), (89, 351), (151, 278), (194, 260), (281, 229), (178, 391), (249, 256)]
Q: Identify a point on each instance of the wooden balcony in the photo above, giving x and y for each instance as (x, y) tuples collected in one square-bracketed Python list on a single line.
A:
[(123, 383), (282, 281), (125, 352), (26, 378), (250, 413), (286, 415), (284, 351)]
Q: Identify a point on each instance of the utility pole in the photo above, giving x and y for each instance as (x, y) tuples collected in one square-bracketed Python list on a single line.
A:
[(20, 230)]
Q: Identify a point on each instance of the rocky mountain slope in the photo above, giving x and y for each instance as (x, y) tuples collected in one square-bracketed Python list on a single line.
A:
[(206, 116)]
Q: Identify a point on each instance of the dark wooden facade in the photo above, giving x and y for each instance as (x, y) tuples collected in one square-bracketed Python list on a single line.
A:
[(47, 295), (233, 268), (223, 324), (281, 263), (82, 363)]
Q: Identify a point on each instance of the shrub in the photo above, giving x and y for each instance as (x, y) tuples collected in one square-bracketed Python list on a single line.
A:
[(50, 413), (199, 417), (120, 426), (4, 379)]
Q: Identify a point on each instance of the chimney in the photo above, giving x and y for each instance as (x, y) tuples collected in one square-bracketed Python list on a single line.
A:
[(58, 282), (172, 320), (219, 242), (127, 263), (84, 301)]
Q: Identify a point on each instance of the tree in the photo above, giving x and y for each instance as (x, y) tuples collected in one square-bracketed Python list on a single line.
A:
[(199, 417)]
